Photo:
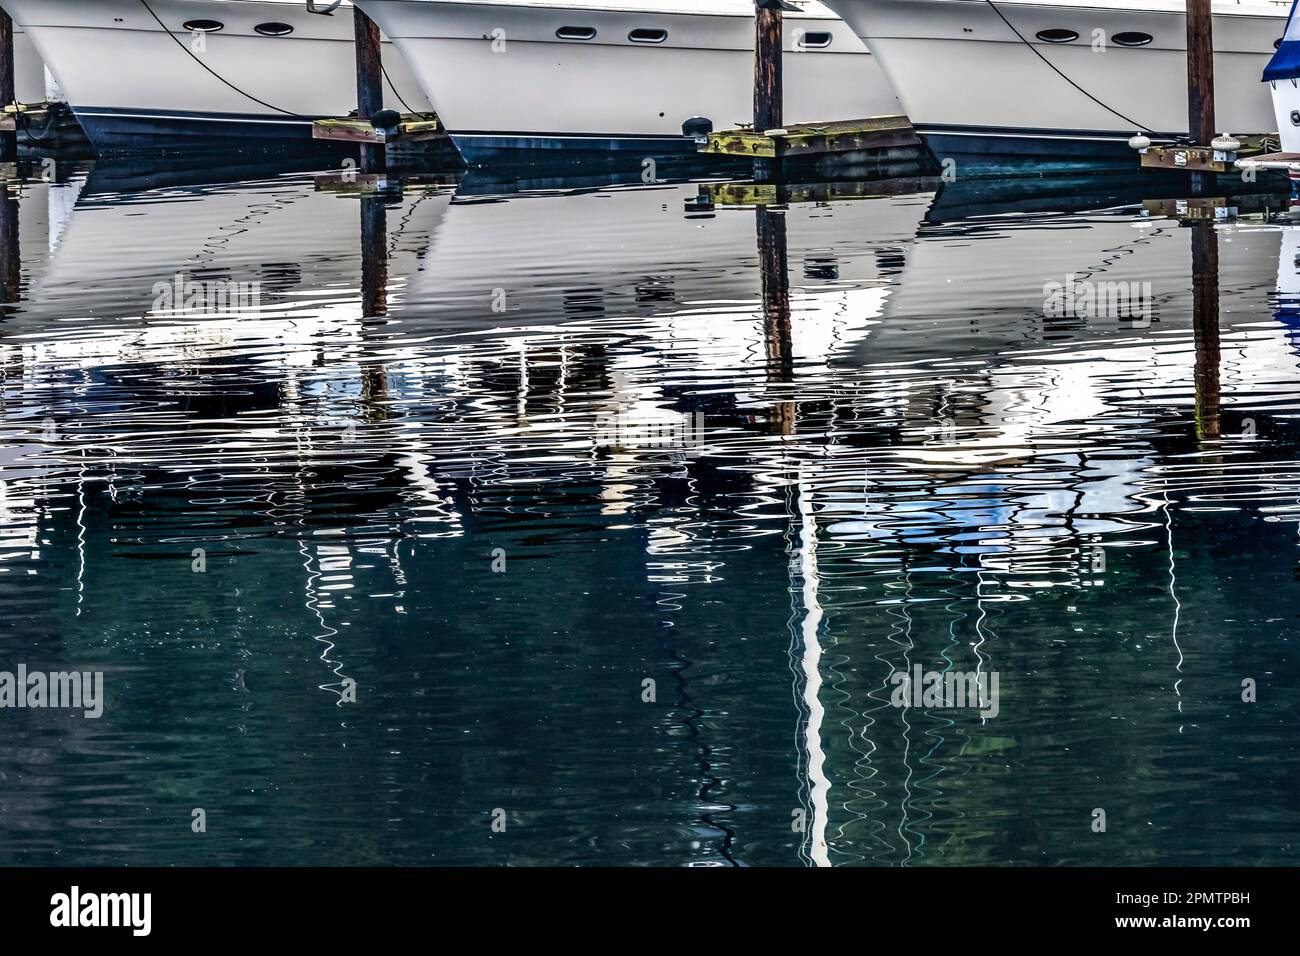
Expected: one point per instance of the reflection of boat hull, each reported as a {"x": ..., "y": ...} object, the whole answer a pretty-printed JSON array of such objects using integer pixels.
[
  {"x": 508, "y": 85},
  {"x": 135, "y": 85}
]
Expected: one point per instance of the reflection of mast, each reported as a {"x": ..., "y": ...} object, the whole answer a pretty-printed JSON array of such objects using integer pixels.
[
  {"x": 810, "y": 657},
  {"x": 1205, "y": 309},
  {"x": 773, "y": 260}
]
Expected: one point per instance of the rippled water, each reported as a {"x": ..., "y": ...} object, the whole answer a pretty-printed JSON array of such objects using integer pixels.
[{"x": 571, "y": 443}]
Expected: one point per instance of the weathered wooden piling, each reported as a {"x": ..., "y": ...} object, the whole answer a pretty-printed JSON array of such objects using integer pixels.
[
  {"x": 1200, "y": 82},
  {"x": 8, "y": 140},
  {"x": 769, "y": 87},
  {"x": 370, "y": 85}
]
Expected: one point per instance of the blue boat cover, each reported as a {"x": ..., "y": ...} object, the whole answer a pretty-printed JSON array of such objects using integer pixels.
[{"x": 1285, "y": 64}]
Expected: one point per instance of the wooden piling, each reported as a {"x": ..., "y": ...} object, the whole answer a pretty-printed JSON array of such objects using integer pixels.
[
  {"x": 8, "y": 140},
  {"x": 370, "y": 85},
  {"x": 1200, "y": 82},
  {"x": 769, "y": 92}
]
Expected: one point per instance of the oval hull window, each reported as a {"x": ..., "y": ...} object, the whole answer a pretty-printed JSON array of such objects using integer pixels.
[
  {"x": 576, "y": 33},
  {"x": 1132, "y": 38},
  {"x": 648, "y": 36},
  {"x": 273, "y": 29},
  {"x": 1057, "y": 36},
  {"x": 814, "y": 41},
  {"x": 203, "y": 26}
]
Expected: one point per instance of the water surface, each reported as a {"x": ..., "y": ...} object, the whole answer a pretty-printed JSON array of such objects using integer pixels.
[{"x": 506, "y": 466}]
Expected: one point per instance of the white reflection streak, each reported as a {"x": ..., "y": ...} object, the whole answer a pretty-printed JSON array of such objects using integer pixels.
[
  {"x": 818, "y": 784},
  {"x": 81, "y": 537},
  {"x": 1173, "y": 593}
]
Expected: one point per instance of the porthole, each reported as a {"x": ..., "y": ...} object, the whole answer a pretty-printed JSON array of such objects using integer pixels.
[
  {"x": 1132, "y": 38},
  {"x": 648, "y": 36},
  {"x": 815, "y": 41},
  {"x": 1057, "y": 36},
  {"x": 203, "y": 26},
  {"x": 1277, "y": 44},
  {"x": 273, "y": 29},
  {"x": 576, "y": 33}
]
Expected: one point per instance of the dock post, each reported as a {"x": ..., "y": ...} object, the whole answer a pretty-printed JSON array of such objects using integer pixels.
[
  {"x": 8, "y": 141},
  {"x": 1200, "y": 83},
  {"x": 370, "y": 86},
  {"x": 1205, "y": 323},
  {"x": 769, "y": 93}
]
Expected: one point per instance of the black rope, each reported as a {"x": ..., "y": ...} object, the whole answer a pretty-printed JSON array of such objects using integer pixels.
[
  {"x": 190, "y": 54},
  {"x": 24, "y": 123},
  {"x": 393, "y": 87},
  {"x": 993, "y": 7}
]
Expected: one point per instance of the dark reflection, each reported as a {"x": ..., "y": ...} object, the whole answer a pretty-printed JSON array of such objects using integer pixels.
[
  {"x": 494, "y": 517},
  {"x": 11, "y": 266},
  {"x": 1205, "y": 310},
  {"x": 774, "y": 266}
]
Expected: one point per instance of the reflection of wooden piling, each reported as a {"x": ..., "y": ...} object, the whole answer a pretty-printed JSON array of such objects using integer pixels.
[
  {"x": 374, "y": 257},
  {"x": 1205, "y": 320},
  {"x": 370, "y": 85},
  {"x": 8, "y": 141},
  {"x": 769, "y": 95},
  {"x": 773, "y": 258},
  {"x": 1200, "y": 81},
  {"x": 10, "y": 261},
  {"x": 374, "y": 284}
]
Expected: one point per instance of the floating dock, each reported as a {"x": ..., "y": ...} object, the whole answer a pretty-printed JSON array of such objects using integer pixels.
[
  {"x": 877, "y": 146},
  {"x": 805, "y": 140},
  {"x": 411, "y": 128}
]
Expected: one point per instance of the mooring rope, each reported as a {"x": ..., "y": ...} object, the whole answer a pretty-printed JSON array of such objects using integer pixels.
[
  {"x": 190, "y": 54},
  {"x": 1034, "y": 49}
]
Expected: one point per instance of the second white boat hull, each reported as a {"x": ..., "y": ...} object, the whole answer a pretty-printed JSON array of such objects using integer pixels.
[{"x": 509, "y": 86}]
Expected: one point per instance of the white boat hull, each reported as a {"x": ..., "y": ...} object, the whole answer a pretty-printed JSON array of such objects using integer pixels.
[
  {"x": 29, "y": 70},
  {"x": 977, "y": 85},
  {"x": 134, "y": 85},
  {"x": 508, "y": 87}
]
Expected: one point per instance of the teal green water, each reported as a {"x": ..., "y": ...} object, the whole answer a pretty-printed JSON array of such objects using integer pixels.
[{"x": 561, "y": 526}]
